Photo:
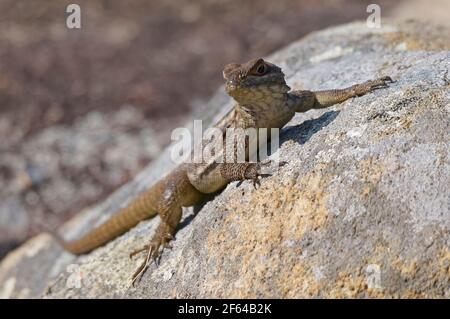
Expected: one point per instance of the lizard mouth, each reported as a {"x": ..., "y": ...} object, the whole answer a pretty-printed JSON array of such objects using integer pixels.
[{"x": 231, "y": 86}]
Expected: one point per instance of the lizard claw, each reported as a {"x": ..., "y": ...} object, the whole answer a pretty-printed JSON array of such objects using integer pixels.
[
  {"x": 254, "y": 172},
  {"x": 155, "y": 248},
  {"x": 380, "y": 83},
  {"x": 157, "y": 259},
  {"x": 270, "y": 162},
  {"x": 282, "y": 163},
  {"x": 152, "y": 255},
  {"x": 143, "y": 266},
  {"x": 387, "y": 79},
  {"x": 256, "y": 182},
  {"x": 264, "y": 164},
  {"x": 372, "y": 85},
  {"x": 137, "y": 251}
]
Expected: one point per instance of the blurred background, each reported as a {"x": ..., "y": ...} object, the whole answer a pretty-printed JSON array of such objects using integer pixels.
[{"x": 83, "y": 110}]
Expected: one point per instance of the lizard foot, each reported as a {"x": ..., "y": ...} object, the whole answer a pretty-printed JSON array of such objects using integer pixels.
[
  {"x": 254, "y": 172},
  {"x": 154, "y": 250},
  {"x": 371, "y": 85}
]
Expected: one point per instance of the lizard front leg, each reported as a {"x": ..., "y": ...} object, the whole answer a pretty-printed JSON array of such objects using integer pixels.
[
  {"x": 243, "y": 171},
  {"x": 302, "y": 101}
]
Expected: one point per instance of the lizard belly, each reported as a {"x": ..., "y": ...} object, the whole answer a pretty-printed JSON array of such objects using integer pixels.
[{"x": 206, "y": 177}]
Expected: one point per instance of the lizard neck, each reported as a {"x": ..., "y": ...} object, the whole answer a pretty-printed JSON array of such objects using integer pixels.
[{"x": 272, "y": 111}]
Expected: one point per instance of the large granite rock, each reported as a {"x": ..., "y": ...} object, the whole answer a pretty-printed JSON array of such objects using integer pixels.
[{"x": 361, "y": 210}]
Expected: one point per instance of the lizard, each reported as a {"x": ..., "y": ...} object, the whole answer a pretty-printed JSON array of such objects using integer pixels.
[{"x": 262, "y": 100}]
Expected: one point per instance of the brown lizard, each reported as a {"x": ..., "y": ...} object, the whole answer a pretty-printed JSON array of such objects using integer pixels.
[{"x": 263, "y": 101}]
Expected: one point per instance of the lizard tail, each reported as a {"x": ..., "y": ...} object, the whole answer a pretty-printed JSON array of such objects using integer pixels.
[{"x": 143, "y": 207}]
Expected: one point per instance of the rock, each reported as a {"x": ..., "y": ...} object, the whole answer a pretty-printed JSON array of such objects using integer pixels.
[
  {"x": 431, "y": 11},
  {"x": 55, "y": 172},
  {"x": 361, "y": 210}
]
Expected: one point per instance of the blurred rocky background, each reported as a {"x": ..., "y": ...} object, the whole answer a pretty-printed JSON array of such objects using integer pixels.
[{"x": 82, "y": 111}]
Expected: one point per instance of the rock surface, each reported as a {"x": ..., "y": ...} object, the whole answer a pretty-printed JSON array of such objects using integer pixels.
[
  {"x": 57, "y": 171},
  {"x": 361, "y": 210}
]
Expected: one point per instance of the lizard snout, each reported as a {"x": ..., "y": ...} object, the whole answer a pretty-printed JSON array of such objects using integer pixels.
[{"x": 231, "y": 85}]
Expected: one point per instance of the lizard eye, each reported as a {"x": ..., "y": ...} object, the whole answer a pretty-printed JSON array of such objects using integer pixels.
[{"x": 261, "y": 69}]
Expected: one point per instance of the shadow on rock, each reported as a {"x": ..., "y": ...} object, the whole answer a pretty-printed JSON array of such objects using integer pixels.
[{"x": 303, "y": 132}]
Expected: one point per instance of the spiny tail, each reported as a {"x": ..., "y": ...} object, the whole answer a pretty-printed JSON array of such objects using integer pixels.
[{"x": 143, "y": 207}]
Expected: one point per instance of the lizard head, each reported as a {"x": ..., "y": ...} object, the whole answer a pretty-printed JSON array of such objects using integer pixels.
[{"x": 254, "y": 81}]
